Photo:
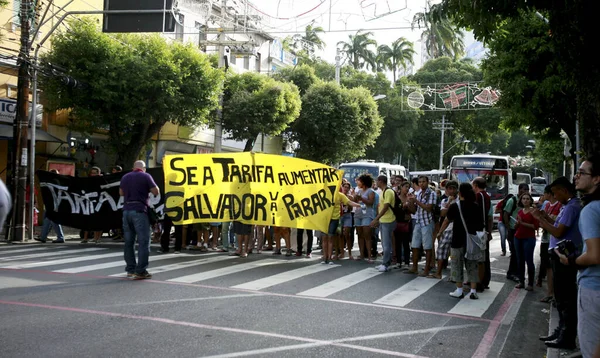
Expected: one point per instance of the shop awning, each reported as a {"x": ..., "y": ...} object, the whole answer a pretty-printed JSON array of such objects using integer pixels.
[{"x": 6, "y": 132}]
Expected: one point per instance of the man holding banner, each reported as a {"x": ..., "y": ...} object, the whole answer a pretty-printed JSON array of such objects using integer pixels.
[{"x": 135, "y": 187}]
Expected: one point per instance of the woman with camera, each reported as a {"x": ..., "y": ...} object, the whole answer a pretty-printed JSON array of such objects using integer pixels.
[{"x": 526, "y": 226}]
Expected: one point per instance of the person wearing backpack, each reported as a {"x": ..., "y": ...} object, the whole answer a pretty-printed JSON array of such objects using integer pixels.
[{"x": 510, "y": 220}]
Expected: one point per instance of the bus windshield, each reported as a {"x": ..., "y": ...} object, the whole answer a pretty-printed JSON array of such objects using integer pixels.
[
  {"x": 497, "y": 180},
  {"x": 351, "y": 172}
]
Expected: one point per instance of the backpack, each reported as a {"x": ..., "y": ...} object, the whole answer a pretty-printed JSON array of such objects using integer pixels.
[
  {"x": 397, "y": 208},
  {"x": 503, "y": 204}
]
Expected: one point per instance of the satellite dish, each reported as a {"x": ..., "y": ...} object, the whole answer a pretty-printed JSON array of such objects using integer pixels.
[{"x": 415, "y": 100}]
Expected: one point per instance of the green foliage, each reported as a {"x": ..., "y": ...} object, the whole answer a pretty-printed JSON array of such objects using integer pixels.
[
  {"x": 399, "y": 55},
  {"x": 549, "y": 154},
  {"x": 336, "y": 124},
  {"x": 442, "y": 36},
  {"x": 254, "y": 104},
  {"x": 359, "y": 50},
  {"x": 133, "y": 85},
  {"x": 302, "y": 76}
]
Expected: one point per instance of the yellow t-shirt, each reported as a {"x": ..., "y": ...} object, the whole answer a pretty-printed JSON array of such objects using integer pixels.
[
  {"x": 388, "y": 198},
  {"x": 340, "y": 198}
]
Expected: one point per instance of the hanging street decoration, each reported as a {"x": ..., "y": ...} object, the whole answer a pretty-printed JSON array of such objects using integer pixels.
[{"x": 444, "y": 96}]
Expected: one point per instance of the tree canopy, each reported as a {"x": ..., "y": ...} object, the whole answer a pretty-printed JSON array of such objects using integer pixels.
[
  {"x": 133, "y": 85},
  {"x": 255, "y": 104}
]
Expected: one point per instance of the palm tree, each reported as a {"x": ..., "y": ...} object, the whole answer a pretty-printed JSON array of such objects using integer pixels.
[
  {"x": 442, "y": 37},
  {"x": 358, "y": 51},
  {"x": 400, "y": 54},
  {"x": 310, "y": 40}
]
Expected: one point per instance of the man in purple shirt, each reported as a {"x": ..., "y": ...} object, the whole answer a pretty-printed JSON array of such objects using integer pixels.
[
  {"x": 135, "y": 187},
  {"x": 565, "y": 227}
]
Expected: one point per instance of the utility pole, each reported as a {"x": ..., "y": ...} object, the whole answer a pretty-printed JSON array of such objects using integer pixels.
[
  {"x": 219, "y": 123},
  {"x": 21, "y": 131},
  {"x": 338, "y": 58},
  {"x": 442, "y": 126}
]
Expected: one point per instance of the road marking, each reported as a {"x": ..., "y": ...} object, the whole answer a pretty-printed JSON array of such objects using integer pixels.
[
  {"x": 13, "y": 282},
  {"x": 342, "y": 283},
  {"x": 283, "y": 277},
  {"x": 207, "y": 275},
  {"x": 180, "y": 265},
  {"x": 476, "y": 308},
  {"x": 46, "y": 254},
  {"x": 47, "y": 248},
  {"x": 408, "y": 292},
  {"x": 64, "y": 261},
  {"x": 241, "y": 295},
  {"x": 110, "y": 264}
]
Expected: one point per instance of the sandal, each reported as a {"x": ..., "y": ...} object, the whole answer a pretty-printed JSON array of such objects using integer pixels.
[
  {"x": 244, "y": 255},
  {"x": 411, "y": 272},
  {"x": 234, "y": 254}
]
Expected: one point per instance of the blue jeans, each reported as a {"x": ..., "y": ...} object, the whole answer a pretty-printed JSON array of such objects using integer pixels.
[
  {"x": 525, "y": 248},
  {"x": 46, "y": 229},
  {"x": 387, "y": 235},
  {"x": 502, "y": 230},
  {"x": 136, "y": 223}
]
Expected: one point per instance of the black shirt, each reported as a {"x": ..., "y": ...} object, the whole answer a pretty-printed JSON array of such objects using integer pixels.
[{"x": 472, "y": 215}]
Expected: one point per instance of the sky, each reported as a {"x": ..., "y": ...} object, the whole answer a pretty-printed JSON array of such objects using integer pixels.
[{"x": 346, "y": 17}]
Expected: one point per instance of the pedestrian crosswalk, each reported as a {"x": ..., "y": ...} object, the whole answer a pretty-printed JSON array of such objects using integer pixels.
[{"x": 346, "y": 280}]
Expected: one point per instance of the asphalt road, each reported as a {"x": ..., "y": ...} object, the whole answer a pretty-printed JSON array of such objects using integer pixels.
[{"x": 71, "y": 300}]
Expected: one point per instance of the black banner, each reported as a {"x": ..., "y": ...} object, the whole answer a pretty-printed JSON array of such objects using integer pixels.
[{"x": 91, "y": 203}]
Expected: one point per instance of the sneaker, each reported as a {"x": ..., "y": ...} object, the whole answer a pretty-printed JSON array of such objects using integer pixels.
[
  {"x": 83, "y": 242},
  {"x": 40, "y": 240},
  {"x": 288, "y": 253},
  {"x": 308, "y": 256},
  {"x": 382, "y": 268},
  {"x": 58, "y": 241},
  {"x": 277, "y": 252},
  {"x": 379, "y": 267},
  {"x": 298, "y": 253},
  {"x": 324, "y": 262},
  {"x": 142, "y": 276},
  {"x": 330, "y": 263},
  {"x": 130, "y": 275},
  {"x": 160, "y": 251},
  {"x": 176, "y": 252},
  {"x": 473, "y": 296},
  {"x": 457, "y": 295}
]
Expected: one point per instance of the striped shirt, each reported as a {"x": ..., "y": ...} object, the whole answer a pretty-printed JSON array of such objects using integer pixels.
[{"x": 427, "y": 197}]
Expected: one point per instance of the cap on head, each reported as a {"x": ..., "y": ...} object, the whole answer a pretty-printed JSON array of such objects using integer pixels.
[{"x": 139, "y": 164}]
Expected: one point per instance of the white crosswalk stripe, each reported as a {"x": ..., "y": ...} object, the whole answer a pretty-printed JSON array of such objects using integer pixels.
[
  {"x": 341, "y": 283},
  {"x": 409, "y": 292},
  {"x": 111, "y": 264},
  {"x": 63, "y": 261},
  {"x": 476, "y": 308},
  {"x": 7, "y": 252},
  {"x": 283, "y": 277},
  {"x": 181, "y": 265},
  {"x": 47, "y": 254},
  {"x": 207, "y": 275}
]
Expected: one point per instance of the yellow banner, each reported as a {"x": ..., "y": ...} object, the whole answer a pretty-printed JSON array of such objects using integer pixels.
[{"x": 253, "y": 188}]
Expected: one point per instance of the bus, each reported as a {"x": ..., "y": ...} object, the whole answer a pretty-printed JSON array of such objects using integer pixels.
[
  {"x": 434, "y": 175},
  {"x": 495, "y": 169},
  {"x": 355, "y": 169}
]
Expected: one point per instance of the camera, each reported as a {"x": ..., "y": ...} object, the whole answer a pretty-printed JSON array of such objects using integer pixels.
[{"x": 567, "y": 248}]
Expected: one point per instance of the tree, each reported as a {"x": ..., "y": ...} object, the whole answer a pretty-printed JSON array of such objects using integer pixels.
[
  {"x": 572, "y": 28},
  {"x": 399, "y": 55},
  {"x": 442, "y": 37},
  {"x": 133, "y": 85},
  {"x": 302, "y": 76},
  {"x": 255, "y": 103},
  {"x": 358, "y": 50},
  {"x": 336, "y": 124}
]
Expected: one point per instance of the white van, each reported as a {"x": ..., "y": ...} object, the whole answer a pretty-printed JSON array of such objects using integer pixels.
[
  {"x": 524, "y": 178},
  {"x": 355, "y": 169}
]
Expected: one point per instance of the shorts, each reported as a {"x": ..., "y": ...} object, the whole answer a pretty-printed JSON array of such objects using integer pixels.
[
  {"x": 458, "y": 262},
  {"x": 422, "y": 236},
  {"x": 362, "y": 221},
  {"x": 333, "y": 226},
  {"x": 240, "y": 228},
  {"x": 347, "y": 220},
  {"x": 443, "y": 250}
]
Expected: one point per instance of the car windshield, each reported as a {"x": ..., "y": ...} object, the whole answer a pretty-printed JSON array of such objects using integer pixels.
[
  {"x": 537, "y": 189},
  {"x": 351, "y": 172},
  {"x": 496, "y": 180}
]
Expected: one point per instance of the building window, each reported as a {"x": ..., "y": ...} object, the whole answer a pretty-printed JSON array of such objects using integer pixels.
[
  {"x": 179, "y": 28},
  {"x": 201, "y": 35},
  {"x": 232, "y": 59},
  {"x": 257, "y": 63},
  {"x": 247, "y": 62}
]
